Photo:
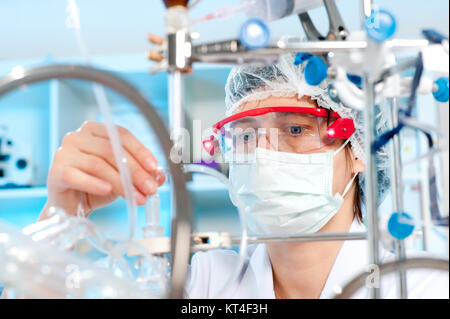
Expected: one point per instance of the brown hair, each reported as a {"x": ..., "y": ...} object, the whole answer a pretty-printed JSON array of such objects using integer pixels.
[
  {"x": 349, "y": 156},
  {"x": 357, "y": 198}
]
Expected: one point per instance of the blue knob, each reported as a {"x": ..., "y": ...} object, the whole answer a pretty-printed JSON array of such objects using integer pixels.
[
  {"x": 355, "y": 79},
  {"x": 442, "y": 91},
  {"x": 315, "y": 71},
  {"x": 255, "y": 34},
  {"x": 21, "y": 163},
  {"x": 380, "y": 25},
  {"x": 302, "y": 57},
  {"x": 433, "y": 36},
  {"x": 400, "y": 225}
]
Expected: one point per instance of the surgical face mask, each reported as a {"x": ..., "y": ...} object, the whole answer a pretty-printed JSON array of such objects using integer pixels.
[{"x": 287, "y": 193}]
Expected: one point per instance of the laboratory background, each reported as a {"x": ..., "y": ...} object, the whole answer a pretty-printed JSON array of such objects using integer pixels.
[{"x": 35, "y": 118}]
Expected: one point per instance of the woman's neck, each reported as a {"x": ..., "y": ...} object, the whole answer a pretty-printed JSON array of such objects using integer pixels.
[{"x": 300, "y": 270}]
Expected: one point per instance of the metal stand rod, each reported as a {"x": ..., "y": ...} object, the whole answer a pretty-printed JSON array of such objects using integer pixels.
[
  {"x": 443, "y": 116},
  {"x": 425, "y": 211},
  {"x": 234, "y": 54},
  {"x": 371, "y": 184},
  {"x": 397, "y": 194},
  {"x": 366, "y": 11},
  {"x": 176, "y": 121},
  {"x": 302, "y": 238},
  {"x": 176, "y": 117}
]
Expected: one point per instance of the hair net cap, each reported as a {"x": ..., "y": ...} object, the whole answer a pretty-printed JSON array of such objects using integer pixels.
[{"x": 285, "y": 79}]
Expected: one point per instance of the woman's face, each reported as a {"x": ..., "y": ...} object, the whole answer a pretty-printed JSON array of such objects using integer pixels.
[{"x": 297, "y": 133}]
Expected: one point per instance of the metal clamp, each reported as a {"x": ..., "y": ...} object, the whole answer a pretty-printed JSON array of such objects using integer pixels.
[
  {"x": 337, "y": 30},
  {"x": 199, "y": 241},
  {"x": 211, "y": 240}
]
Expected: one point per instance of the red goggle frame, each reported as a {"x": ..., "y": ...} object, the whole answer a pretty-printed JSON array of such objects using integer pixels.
[{"x": 341, "y": 128}]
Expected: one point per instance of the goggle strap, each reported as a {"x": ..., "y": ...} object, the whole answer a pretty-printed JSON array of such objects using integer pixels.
[{"x": 342, "y": 147}]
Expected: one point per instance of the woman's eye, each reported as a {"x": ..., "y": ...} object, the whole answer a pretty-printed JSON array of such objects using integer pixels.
[
  {"x": 245, "y": 138},
  {"x": 295, "y": 130}
]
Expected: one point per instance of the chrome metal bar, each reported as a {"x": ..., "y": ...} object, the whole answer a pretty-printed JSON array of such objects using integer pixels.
[
  {"x": 405, "y": 44},
  {"x": 397, "y": 68},
  {"x": 371, "y": 184},
  {"x": 397, "y": 184},
  {"x": 413, "y": 263},
  {"x": 430, "y": 129},
  {"x": 366, "y": 11},
  {"x": 302, "y": 238},
  {"x": 181, "y": 224},
  {"x": 209, "y": 53},
  {"x": 176, "y": 116},
  {"x": 400, "y": 255},
  {"x": 176, "y": 120},
  {"x": 397, "y": 194},
  {"x": 336, "y": 46},
  {"x": 425, "y": 212},
  {"x": 443, "y": 116},
  {"x": 178, "y": 59},
  {"x": 293, "y": 45}
]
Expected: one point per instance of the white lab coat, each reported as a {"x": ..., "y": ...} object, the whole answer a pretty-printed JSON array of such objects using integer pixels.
[{"x": 209, "y": 272}]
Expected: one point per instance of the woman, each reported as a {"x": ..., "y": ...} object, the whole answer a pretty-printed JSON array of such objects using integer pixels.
[{"x": 293, "y": 167}]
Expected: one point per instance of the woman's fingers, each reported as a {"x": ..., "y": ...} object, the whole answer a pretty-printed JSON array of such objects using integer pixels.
[
  {"x": 160, "y": 177},
  {"x": 130, "y": 143},
  {"x": 74, "y": 178},
  {"x": 153, "y": 38},
  {"x": 97, "y": 167},
  {"x": 94, "y": 156},
  {"x": 101, "y": 148},
  {"x": 85, "y": 163}
]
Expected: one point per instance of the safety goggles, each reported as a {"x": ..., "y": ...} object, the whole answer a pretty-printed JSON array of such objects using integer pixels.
[{"x": 282, "y": 128}]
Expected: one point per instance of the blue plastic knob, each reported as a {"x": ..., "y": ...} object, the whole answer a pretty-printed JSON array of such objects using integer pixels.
[
  {"x": 255, "y": 34},
  {"x": 400, "y": 225},
  {"x": 315, "y": 71},
  {"x": 302, "y": 57},
  {"x": 442, "y": 91},
  {"x": 355, "y": 79},
  {"x": 433, "y": 36},
  {"x": 380, "y": 25},
  {"x": 21, "y": 164}
]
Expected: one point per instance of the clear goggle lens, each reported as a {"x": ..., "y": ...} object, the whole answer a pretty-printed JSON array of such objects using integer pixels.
[{"x": 279, "y": 131}]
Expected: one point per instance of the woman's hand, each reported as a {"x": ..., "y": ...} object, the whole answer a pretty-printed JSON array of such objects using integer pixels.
[{"x": 84, "y": 170}]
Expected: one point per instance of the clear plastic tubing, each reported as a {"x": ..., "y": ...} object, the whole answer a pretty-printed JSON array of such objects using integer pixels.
[
  {"x": 195, "y": 168},
  {"x": 152, "y": 209},
  {"x": 266, "y": 10},
  {"x": 152, "y": 214},
  {"x": 73, "y": 21}
]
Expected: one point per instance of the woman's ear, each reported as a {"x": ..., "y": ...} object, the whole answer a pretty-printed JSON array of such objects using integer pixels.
[{"x": 358, "y": 166}]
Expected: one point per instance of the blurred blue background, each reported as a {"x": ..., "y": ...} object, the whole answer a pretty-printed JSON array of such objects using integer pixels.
[
  {"x": 37, "y": 117},
  {"x": 33, "y": 29}
]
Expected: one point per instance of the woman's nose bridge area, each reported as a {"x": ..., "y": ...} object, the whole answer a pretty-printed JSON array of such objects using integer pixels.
[{"x": 267, "y": 138}]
